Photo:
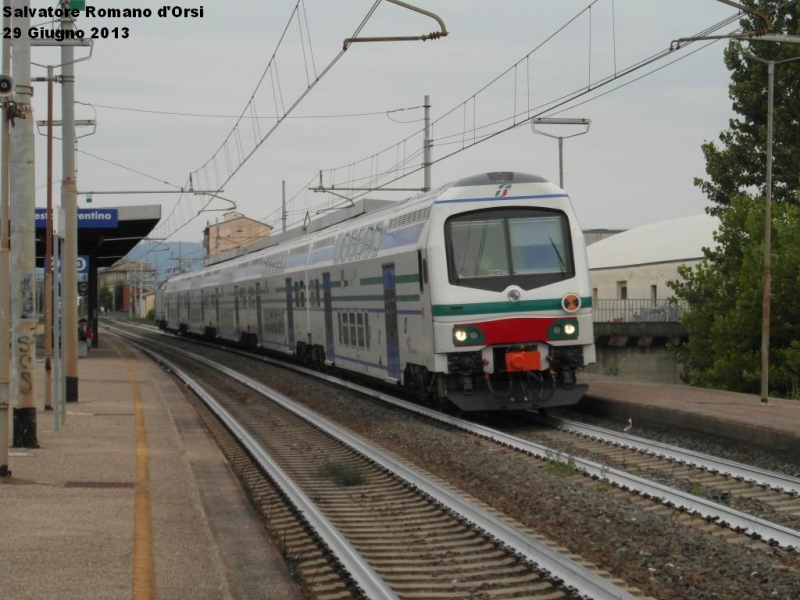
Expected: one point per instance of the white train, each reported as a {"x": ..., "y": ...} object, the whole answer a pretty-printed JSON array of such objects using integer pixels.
[{"x": 476, "y": 293}]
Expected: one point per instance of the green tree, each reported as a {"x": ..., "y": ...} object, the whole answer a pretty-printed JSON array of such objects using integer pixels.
[
  {"x": 105, "y": 297},
  {"x": 725, "y": 290},
  {"x": 739, "y": 163}
]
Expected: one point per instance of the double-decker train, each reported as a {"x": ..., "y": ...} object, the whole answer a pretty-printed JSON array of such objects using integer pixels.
[{"x": 475, "y": 294}]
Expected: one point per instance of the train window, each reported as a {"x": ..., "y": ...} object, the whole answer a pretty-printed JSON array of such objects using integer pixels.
[
  {"x": 351, "y": 247},
  {"x": 345, "y": 330},
  {"x": 316, "y": 290},
  {"x": 492, "y": 249},
  {"x": 360, "y": 324},
  {"x": 353, "y": 328},
  {"x": 302, "y": 294},
  {"x": 360, "y": 242},
  {"x": 366, "y": 328},
  {"x": 376, "y": 240},
  {"x": 368, "y": 241}
]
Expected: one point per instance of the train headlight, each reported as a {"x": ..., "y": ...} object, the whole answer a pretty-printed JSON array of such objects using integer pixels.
[
  {"x": 563, "y": 329},
  {"x": 468, "y": 335}
]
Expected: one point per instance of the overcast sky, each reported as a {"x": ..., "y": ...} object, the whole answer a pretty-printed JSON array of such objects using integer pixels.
[{"x": 635, "y": 166}]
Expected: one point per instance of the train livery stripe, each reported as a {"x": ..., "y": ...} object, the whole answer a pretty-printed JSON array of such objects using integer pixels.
[
  {"x": 482, "y": 308},
  {"x": 501, "y": 198},
  {"x": 411, "y": 278},
  {"x": 400, "y": 298}
]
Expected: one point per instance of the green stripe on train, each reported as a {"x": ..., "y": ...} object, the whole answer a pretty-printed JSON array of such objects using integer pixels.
[
  {"x": 399, "y": 297},
  {"x": 412, "y": 278},
  {"x": 481, "y": 308}
]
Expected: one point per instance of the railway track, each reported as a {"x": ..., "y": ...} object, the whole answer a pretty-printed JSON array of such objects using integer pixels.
[
  {"x": 777, "y": 561},
  {"x": 707, "y": 475},
  {"x": 393, "y": 528}
]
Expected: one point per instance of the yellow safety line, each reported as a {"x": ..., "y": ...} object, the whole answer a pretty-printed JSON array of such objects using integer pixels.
[{"x": 144, "y": 578}]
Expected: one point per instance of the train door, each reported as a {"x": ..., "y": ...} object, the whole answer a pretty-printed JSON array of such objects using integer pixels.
[
  {"x": 328, "y": 305},
  {"x": 203, "y": 308},
  {"x": 392, "y": 338},
  {"x": 289, "y": 315},
  {"x": 259, "y": 320},
  {"x": 236, "y": 310}
]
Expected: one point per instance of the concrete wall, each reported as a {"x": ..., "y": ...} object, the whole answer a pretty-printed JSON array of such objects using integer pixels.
[{"x": 654, "y": 364}]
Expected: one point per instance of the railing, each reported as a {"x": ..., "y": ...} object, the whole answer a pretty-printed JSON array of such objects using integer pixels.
[{"x": 638, "y": 311}]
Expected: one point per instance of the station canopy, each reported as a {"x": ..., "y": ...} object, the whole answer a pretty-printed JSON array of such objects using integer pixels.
[{"x": 107, "y": 234}]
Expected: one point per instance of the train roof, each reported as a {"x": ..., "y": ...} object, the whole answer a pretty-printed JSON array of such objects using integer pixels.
[{"x": 361, "y": 210}]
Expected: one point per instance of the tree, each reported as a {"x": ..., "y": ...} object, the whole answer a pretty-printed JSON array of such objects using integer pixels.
[
  {"x": 105, "y": 297},
  {"x": 725, "y": 290},
  {"x": 739, "y": 164}
]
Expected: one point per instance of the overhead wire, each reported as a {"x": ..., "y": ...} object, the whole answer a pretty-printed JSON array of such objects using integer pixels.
[
  {"x": 232, "y": 171},
  {"x": 218, "y": 116},
  {"x": 562, "y": 102}
]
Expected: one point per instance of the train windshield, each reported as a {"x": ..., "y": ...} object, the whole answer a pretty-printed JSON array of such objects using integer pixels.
[{"x": 492, "y": 249}]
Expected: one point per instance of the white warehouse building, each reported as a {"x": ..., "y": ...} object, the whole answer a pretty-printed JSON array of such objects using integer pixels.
[{"x": 636, "y": 265}]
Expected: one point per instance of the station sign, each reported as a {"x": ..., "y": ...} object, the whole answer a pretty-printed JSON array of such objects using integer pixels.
[
  {"x": 83, "y": 264},
  {"x": 88, "y": 218}
]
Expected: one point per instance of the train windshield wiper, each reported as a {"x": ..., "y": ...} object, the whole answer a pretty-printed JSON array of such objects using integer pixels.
[{"x": 560, "y": 260}]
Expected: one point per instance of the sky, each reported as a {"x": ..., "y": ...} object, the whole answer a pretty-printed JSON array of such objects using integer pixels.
[{"x": 635, "y": 165}]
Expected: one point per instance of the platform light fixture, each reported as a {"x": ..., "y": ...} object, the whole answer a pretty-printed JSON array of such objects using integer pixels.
[{"x": 560, "y": 121}]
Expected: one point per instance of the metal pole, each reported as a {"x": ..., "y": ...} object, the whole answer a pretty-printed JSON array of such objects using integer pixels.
[
  {"x": 69, "y": 200},
  {"x": 283, "y": 204},
  {"x": 427, "y": 145},
  {"x": 141, "y": 297},
  {"x": 5, "y": 273},
  {"x": 561, "y": 162},
  {"x": 48, "y": 253},
  {"x": 23, "y": 250},
  {"x": 58, "y": 399},
  {"x": 765, "y": 301}
]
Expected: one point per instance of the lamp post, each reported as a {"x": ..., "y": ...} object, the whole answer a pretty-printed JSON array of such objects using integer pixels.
[
  {"x": 767, "y": 279},
  {"x": 557, "y": 121}
]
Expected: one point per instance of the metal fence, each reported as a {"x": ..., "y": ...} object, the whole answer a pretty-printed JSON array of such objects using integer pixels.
[{"x": 638, "y": 311}]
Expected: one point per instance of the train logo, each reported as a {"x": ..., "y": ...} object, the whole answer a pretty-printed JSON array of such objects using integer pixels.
[{"x": 502, "y": 191}]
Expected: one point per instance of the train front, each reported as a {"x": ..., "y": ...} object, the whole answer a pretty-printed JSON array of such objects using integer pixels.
[{"x": 511, "y": 298}]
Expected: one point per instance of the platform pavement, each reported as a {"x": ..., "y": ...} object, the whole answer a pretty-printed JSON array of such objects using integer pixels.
[
  {"x": 115, "y": 506},
  {"x": 728, "y": 414}
]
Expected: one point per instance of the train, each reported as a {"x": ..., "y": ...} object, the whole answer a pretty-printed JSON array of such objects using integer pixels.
[{"x": 475, "y": 295}]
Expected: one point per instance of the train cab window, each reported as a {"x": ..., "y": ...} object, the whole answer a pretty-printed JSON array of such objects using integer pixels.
[
  {"x": 492, "y": 249},
  {"x": 360, "y": 243}
]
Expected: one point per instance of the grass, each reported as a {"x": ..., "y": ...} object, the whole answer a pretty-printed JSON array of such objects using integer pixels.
[{"x": 563, "y": 468}]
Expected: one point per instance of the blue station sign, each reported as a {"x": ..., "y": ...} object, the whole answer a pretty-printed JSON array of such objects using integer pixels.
[{"x": 88, "y": 218}]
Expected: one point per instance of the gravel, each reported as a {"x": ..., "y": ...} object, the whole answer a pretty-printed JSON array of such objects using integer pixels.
[{"x": 662, "y": 557}]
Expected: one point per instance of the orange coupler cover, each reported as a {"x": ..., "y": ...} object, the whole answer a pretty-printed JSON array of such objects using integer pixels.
[{"x": 523, "y": 361}]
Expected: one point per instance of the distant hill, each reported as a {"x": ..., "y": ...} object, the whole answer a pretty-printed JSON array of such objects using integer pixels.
[{"x": 169, "y": 258}]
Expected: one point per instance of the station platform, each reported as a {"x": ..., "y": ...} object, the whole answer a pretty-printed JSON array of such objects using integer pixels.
[
  {"x": 726, "y": 414},
  {"x": 130, "y": 499}
]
